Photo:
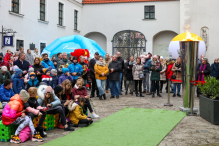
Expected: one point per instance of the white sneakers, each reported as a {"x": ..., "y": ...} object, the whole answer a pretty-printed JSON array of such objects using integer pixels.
[{"x": 95, "y": 116}]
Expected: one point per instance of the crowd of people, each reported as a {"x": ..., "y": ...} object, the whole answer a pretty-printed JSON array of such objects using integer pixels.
[{"x": 33, "y": 85}]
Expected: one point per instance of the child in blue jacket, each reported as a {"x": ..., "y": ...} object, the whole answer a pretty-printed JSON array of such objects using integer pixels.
[
  {"x": 33, "y": 82},
  {"x": 18, "y": 81},
  {"x": 55, "y": 78},
  {"x": 75, "y": 70},
  {"x": 65, "y": 76}
]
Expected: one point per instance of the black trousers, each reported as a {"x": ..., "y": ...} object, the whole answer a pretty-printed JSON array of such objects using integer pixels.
[
  {"x": 42, "y": 118},
  {"x": 161, "y": 85},
  {"x": 87, "y": 105},
  {"x": 57, "y": 110},
  {"x": 155, "y": 86},
  {"x": 94, "y": 87},
  {"x": 138, "y": 85}
]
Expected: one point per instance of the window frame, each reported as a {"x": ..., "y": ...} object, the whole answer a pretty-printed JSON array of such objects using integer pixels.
[
  {"x": 44, "y": 12},
  {"x": 149, "y": 11},
  {"x": 18, "y": 5},
  {"x": 75, "y": 19},
  {"x": 62, "y": 11}
]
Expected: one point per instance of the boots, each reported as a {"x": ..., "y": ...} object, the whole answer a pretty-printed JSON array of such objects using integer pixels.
[
  {"x": 141, "y": 94},
  {"x": 100, "y": 97},
  {"x": 153, "y": 95},
  {"x": 104, "y": 96},
  {"x": 136, "y": 93},
  {"x": 126, "y": 93}
]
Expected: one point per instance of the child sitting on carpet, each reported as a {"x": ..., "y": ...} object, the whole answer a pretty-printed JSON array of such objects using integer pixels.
[
  {"x": 33, "y": 82},
  {"x": 76, "y": 114}
]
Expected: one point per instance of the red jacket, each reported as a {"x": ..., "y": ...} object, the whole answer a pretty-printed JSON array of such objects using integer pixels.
[
  {"x": 5, "y": 63},
  {"x": 7, "y": 57},
  {"x": 81, "y": 91},
  {"x": 169, "y": 71}
]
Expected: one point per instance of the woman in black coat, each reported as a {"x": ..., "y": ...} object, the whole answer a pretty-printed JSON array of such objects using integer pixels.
[
  {"x": 203, "y": 70},
  {"x": 128, "y": 67},
  {"x": 38, "y": 68}
]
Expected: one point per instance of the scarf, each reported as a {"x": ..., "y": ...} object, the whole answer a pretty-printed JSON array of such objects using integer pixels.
[
  {"x": 101, "y": 63},
  {"x": 132, "y": 63},
  {"x": 201, "y": 75}
]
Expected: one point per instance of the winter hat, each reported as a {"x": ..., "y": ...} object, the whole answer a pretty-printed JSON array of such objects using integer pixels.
[
  {"x": 24, "y": 95},
  {"x": 55, "y": 61},
  {"x": 42, "y": 83},
  {"x": 58, "y": 89},
  {"x": 1, "y": 54},
  {"x": 49, "y": 89},
  {"x": 75, "y": 58},
  {"x": 14, "y": 68},
  {"x": 155, "y": 56},
  {"x": 18, "y": 71},
  {"x": 45, "y": 70},
  {"x": 161, "y": 57},
  {"x": 31, "y": 70},
  {"x": 32, "y": 74},
  {"x": 53, "y": 71},
  {"x": 65, "y": 70},
  {"x": 50, "y": 68}
]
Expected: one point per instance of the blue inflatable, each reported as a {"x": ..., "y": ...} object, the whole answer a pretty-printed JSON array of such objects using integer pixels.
[{"x": 70, "y": 43}]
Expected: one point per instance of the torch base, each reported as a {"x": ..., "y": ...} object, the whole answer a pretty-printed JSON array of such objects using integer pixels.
[
  {"x": 188, "y": 110},
  {"x": 168, "y": 104}
]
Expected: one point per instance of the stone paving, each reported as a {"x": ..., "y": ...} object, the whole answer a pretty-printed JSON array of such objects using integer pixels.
[{"x": 191, "y": 131}]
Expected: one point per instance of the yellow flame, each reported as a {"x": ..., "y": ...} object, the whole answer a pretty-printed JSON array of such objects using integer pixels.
[{"x": 189, "y": 36}]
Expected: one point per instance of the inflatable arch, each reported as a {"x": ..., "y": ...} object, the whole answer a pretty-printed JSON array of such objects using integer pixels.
[{"x": 70, "y": 43}]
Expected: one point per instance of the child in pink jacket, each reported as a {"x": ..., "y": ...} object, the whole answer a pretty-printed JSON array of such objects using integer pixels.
[
  {"x": 27, "y": 76},
  {"x": 144, "y": 57}
]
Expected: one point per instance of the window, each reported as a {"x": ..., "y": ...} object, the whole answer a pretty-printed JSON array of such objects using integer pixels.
[
  {"x": 19, "y": 43},
  {"x": 60, "y": 14},
  {"x": 15, "y": 6},
  {"x": 42, "y": 10},
  {"x": 42, "y": 46},
  {"x": 149, "y": 12},
  {"x": 76, "y": 20}
]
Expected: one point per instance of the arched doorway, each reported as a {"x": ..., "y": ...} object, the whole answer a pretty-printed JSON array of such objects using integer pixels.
[
  {"x": 99, "y": 38},
  {"x": 129, "y": 42},
  {"x": 161, "y": 43}
]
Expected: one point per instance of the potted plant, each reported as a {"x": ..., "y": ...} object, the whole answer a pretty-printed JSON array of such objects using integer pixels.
[{"x": 209, "y": 100}]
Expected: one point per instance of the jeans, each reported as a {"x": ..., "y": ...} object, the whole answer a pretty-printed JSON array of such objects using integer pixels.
[
  {"x": 138, "y": 84},
  {"x": 127, "y": 85},
  {"x": 115, "y": 87},
  {"x": 107, "y": 83},
  {"x": 146, "y": 82},
  {"x": 100, "y": 86},
  {"x": 176, "y": 85},
  {"x": 120, "y": 82}
]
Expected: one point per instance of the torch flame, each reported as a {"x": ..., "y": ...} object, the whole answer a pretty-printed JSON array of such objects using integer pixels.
[{"x": 189, "y": 36}]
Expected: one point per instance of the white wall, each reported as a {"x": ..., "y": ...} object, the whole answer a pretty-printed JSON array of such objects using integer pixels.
[
  {"x": 99, "y": 38},
  {"x": 109, "y": 19},
  {"x": 32, "y": 31}
]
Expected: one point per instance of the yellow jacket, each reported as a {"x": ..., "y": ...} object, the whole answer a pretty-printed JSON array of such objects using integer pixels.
[
  {"x": 99, "y": 70},
  {"x": 76, "y": 115}
]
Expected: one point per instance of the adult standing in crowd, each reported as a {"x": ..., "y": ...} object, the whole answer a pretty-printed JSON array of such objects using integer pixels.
[
  {"x": 136, "y": 71},
  {"x": 6, "y": 92},
  {"x": 107, "y": 60},
  {"x": 121, "y": 61},
  {"x": 22, "y": 63},
  {"x": 162, "y": 73},
  {"x": 75, "y": 69},
  {"x": 46, "y": 62},
  {"x": 177, "y": 72},
  {"x": 114, "y": 77},
  {"x": 38, "y": 68},
  {"x": 129, "y": 76},
  {"x": 169, "y": 72},
  {"x": 92, "y": 74},
  {"x": 21, "y": 50},
  {"x": 59, "y": 55},
  {"x": 85, "y": 70},
  {"x": 203, "y": 70},
  {"x": 146, "y": 71},
  {"x": 215, "y": 69},
  {"x": 3, "y": 62},
  {"x": 63, "y": 62},
  {"x": 29, "y": 57},
  {"x": 36, "y": 53},
  {"x": 4, "y": 74},
  {"x": 101, "y": 70}
]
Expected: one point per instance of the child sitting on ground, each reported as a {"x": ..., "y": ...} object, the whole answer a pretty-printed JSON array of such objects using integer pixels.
[
  {"x": 80, "y": 91},
  {"x": 46, "y": 77},
  {"x": 55, "y": 78},
  {"x": 65, "y": 76},
  {"x": 76, "y": 113},
  {"x": 14, "y": 114},
  {"x": 18, "y": 81},
  {"x": 33, "y": 82},
  {"x": 33, "y": 109}
]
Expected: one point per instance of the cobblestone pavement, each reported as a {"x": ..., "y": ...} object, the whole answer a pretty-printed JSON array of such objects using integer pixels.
[{"x": 191, "y": 131}]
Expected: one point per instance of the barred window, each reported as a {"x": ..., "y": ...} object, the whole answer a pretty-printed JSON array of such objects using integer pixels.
[{"x": 149, "y": 12}]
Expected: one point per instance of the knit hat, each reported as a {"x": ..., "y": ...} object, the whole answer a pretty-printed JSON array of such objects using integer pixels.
[
  {"x": 18, "y": 71},
  {"x": 49, "y": 89},
  {"x": 58, "y": 89},
  {"x": 65, "y": 70},
  {"x": 53, "y": 71},
  {"x": 50, "y": 68},
  {"x": 161, "y": 57},
  {"x": 31, "y": 70},
  {"x": 45, "y": 70},
  {"x": 1, "y": 54},
  {"x": 75, "y": 58},
  {"x": 24, "y": 95},
  {"x": 32, "y": 74},
  {"x": 55, "y": 61},
  {"x": 155, "y": 56},
  {"x": 14, "y": 68}
]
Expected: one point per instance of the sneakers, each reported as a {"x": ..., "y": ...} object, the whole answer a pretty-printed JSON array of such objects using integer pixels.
[
  {"x": 15, "y": 139},
  {"x": 37, "y": 137},
  {"x": 178, "y": 95},
  {"x": 174, "y": 95},
  {"x": 95, "y": 116}
]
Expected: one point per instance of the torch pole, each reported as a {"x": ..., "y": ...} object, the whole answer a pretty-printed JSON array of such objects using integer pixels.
[{"x": 168, "y": 100}]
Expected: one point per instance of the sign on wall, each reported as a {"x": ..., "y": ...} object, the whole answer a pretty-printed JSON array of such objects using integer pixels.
[
  {"x": 8, "y": 41},
  {"x": 7, "y": 37}
]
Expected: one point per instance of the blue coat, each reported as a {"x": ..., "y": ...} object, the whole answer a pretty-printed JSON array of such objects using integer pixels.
[
  {"x": 18, "y": 84},
  {"x": 55, "y": 80},
  {"x": 147, "y": 66},
  {"x": 64, "y": 77},
  {"x": 5, "y": 94},
  {"x": 48, "y": 63},
  {"x": 75, "y": 67},
  {"x": 32, "y": 83},
  {"x": 215, "y": 70}
]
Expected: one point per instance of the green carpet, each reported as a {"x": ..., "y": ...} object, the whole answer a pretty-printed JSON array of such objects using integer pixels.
[{"x": 127, "y": 127}]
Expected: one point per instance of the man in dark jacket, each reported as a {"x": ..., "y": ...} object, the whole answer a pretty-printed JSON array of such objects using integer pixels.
[
  {"x": 92, "y": 74},
  {"x": 22, "y": 63},
  {"x": 121, "y": 61},
  {"x": 85, "y": 67},
  {"x": 64, "y": 61},
  {"x": 114, "y": 77},
  {"x": 3, "y": 62},
  {"x": 215, "y": 69}
]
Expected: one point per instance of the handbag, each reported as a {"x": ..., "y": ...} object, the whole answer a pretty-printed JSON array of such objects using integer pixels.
[
  {"x": 173, "y": 77},
  {"x": 141, "y": 76}
]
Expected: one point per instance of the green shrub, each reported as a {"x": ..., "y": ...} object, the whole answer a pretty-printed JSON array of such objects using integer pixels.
[{"x": 210, "y": 88}]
